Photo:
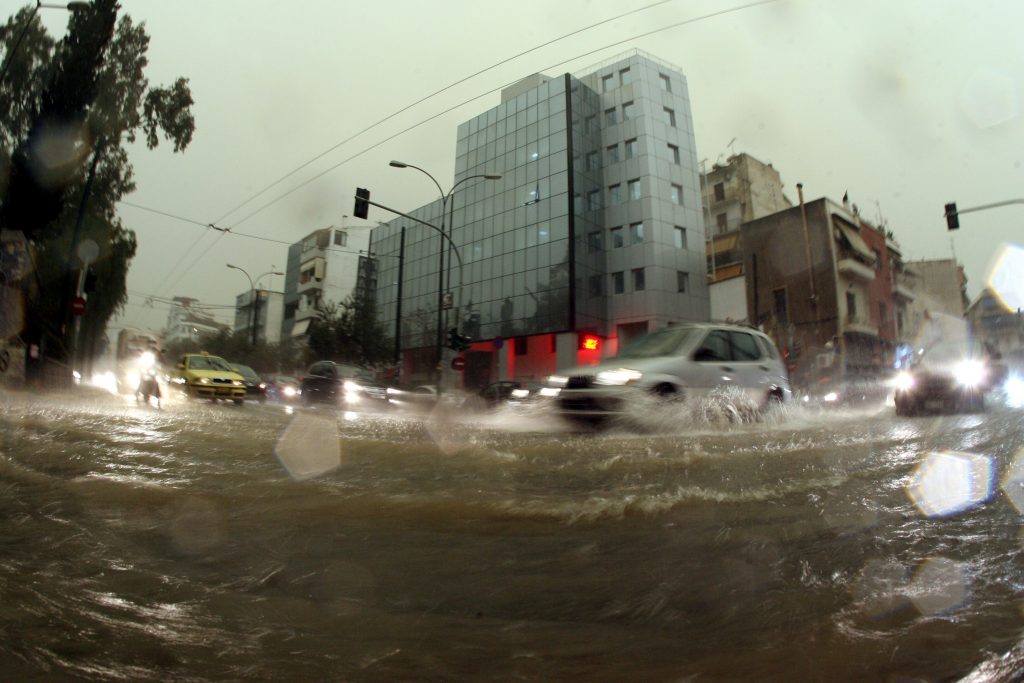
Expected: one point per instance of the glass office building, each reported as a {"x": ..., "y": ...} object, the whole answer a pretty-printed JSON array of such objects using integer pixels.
[{"x": 594, "y": 228}]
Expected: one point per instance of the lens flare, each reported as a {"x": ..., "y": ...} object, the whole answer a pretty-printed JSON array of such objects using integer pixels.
[
  {"x": 1005, "y": 281},
  {"x": 310, "y": 446},
  {"x": 1013, "y": 482},
  {"x": 947, "y": 483},
  {"x": 939, "y": 585}
]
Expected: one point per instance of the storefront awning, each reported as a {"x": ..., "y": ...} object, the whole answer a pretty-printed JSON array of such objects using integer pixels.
[
  {"x": 301, "y": 327},
  {"x": 853, "y": 237}
]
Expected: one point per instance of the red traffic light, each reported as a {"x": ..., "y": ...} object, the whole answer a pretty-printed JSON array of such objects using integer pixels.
[{"x": 590, "y": 342}]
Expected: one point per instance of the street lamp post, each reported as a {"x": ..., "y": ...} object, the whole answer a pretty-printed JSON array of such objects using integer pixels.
[
  {"x": 445, "y": 199},
  {"x": 71, "y": 7},
  {"x": 252, "y": 295}
]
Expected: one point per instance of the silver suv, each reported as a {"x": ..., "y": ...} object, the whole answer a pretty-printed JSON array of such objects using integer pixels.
[{"x": 693, "y": 361}]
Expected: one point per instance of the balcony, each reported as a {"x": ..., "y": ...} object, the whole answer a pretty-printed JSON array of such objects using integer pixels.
[
  {"x": 856, "y": 269},
  {"x": 901, "y": 291},
  {"x": 859, "y": 325}
]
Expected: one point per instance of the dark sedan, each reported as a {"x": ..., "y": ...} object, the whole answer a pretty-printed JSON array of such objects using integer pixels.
[
  {"x": 513, "y": 393},
  {"x": 255, "y": 387},
  {"x": 948, "y": 377},
  {"x": 347, "y": 386}
]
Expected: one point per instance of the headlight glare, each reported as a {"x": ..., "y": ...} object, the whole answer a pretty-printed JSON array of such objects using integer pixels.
[
  {"x": 969, "y": 373},
  {"x": 618, "y": 377},
  {"x": 904, "y": 381},
  {"x": 558, "y": 381}
]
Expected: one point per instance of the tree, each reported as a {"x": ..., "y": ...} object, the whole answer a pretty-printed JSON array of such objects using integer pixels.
[
  {"x": 350, "y": 332},
  {"x": 82, "y": 99}
]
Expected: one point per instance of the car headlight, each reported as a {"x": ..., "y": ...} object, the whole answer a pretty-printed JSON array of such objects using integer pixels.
[
  {"x": 969, "y": 373},
  {"x": 290, "y": 391},
  {"x": 558, "y": 381},
  {"x": 263, "y": 385},
  {"x": 904, "y": 381},
  {"x": 351, "y": 386},
  {"x": 830, "y": 397},
  {"x": 147, "y": 360},
  {"x": 618, "y": 377},
  {"x": 520, "y": 393},
  {"x": 550, "y": 392},
  {"x": 204, "y": 380}
]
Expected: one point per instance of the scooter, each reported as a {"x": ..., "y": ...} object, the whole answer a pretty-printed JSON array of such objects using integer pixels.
[{"x": 149, "y": 387}]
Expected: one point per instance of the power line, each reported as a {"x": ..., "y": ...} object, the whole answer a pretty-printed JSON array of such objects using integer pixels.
[
  {"x": 280, "y": 197},
  {"x": 429, "y": 97},
  {"x": 702, "y": 17}
]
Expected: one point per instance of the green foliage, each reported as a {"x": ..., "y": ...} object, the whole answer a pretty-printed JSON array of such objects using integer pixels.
[
  {"x": 350, "y": 333},
  {"x": 236, "y": 347},
  {"x": 89, "y": 88}
]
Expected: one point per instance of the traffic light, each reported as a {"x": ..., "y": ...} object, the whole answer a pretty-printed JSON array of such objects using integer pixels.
[
  {"x": 458, "y": 342},
  {"x": 362, "y": 207},
  {"x": 952, "y": 218},
  {"x": 589, "y": 342}
]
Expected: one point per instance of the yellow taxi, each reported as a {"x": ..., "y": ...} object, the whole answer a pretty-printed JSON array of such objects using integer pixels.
[{"x": 201, "y": 375}]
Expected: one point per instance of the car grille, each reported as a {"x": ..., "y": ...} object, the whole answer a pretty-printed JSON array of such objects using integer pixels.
[{"x": 580, "y": 382}]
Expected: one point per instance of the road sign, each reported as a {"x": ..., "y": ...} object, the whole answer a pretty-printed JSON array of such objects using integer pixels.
[
  {"x": 458, "y": 363},
  {"x": 78, "y": 305}
]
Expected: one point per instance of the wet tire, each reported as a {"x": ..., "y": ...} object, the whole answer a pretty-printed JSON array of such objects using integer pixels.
[{"x": 905, "y": 408}]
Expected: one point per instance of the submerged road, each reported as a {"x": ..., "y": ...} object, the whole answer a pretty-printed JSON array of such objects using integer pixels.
[{"x": 207, "y": 542}]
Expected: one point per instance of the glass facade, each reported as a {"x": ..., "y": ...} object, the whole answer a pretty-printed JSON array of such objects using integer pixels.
[{"x": 533, "y": 255}]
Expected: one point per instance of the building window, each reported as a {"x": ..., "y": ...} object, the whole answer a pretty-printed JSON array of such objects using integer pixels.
[
  {"x": 670, "y": 117},
  {"x": 680, "y": 235},
  {"x": 682, "y": 281},
  {"x": 612, "y": 153},
  {"x": 673, "y": 152},
  {"x": 851, "y": 307},
  {"x": 608, "y": 83},
  {"x": 636, "y": 233},
  {"x": 617, "y": 240},
  {"x": 595, "y": 285},
  {"x": 719, "y": 192},
  {"x": 590, "y": 124},
  {"x": 722, "y": 221},
  {"x": 677, "y": 194},
  {"x": 628, "y": 111},
  {"x": 780, "y": 307},
  {"x": 594, "y": 240},
  {"x": 625, "y": 76},
  {"x": 615, "y": 194},
  {"x": 618, "y": 282},
  {"x": 611, "y": 117},
  {"x": 639, "y": 283},
  {"x": 882, "y": 313},
  {"x": 340, "y": 238},
  {"x": 632, "y": 148},
  {"x": 634, "y": 189},
  {"x": 593, "y": 200},
  {"x": 593, "y": 163},
  {"x": 666, "y": 83}
]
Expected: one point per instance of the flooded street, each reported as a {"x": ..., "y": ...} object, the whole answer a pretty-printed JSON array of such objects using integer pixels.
[{"x": 195, "y": 543}]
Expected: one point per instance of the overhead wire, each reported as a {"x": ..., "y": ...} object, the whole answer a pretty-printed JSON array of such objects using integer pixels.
[
  {"x": 431, "y": 96},
  {"x": 324, "y": 172},
  {"x": 265, "y": 206}
]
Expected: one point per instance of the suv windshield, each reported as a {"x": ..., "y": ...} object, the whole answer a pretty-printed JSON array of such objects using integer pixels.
[{"x": 659, "y": 343}]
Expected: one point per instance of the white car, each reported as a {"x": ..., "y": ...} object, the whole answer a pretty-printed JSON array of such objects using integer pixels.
[{"x": 693, "y": 361}]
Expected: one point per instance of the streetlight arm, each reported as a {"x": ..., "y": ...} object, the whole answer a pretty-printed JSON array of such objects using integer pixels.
[{"x": 400, "y": 164}]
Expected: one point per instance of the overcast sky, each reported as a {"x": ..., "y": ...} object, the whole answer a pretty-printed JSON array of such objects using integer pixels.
[{"x": 905, "y": 104}]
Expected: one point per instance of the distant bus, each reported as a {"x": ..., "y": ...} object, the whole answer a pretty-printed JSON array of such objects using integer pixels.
[{"x": 137, "y": 350}]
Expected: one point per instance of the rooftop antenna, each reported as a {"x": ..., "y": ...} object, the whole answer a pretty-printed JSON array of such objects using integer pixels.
[{"x": 732, "y": 152}]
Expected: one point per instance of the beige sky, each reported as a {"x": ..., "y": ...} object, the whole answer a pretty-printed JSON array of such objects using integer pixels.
[{"x": 906, "y": 105}]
